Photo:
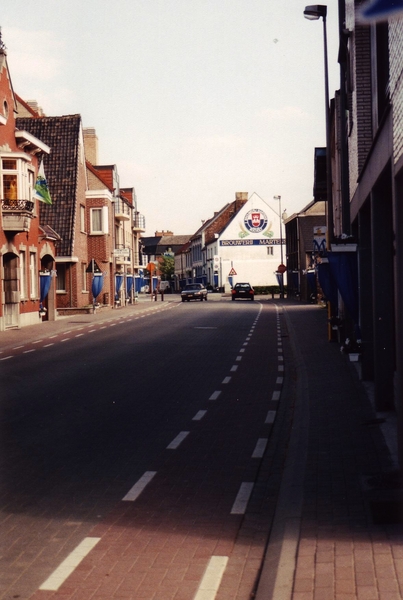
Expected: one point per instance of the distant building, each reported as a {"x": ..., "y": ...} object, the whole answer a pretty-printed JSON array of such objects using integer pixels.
[
  {"x": 245, "y": 245},
  {"x": 305, "y": 234}
]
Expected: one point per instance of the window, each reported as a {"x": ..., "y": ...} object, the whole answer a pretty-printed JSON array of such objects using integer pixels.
[
  {"x": 61, "y": 278},
  {"x": 23, "y": 275},
  {"x": 31, "y": 183},
  {"x": 16, "y": 179},
  {"x": 33, "y": 275},
  {"x": 270, "y": 250},
  {"x": 82, "y": 218},
  {"x": 9, "y": 179},
  {"x": 84, "y": 277},
  {"x": 99, "y": 220}
]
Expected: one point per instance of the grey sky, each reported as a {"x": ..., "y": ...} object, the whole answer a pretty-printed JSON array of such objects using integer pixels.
[{"x": 192, "y": 100}]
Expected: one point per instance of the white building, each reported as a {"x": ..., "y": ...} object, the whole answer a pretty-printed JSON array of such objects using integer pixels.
[{"x": 248, "y": 248}]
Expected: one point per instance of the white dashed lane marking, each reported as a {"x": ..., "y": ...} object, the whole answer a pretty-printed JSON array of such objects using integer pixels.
[
  {"x": 271, "y": 415},
  {"x": 260, "y": 448},
  {"x": 212, "y": 577},
  {"x": 242, "y": 499},
  {"x": 178, "y": 440},
  {"x": 69, "y": 564},
  {"x": 215, "y": 395},
  {"x": 139, "y": 487},
  {"x": 199, "y": 415}
]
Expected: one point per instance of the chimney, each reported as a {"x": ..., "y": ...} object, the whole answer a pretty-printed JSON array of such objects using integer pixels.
[
  {"x": 162, "y": 233},
  {"x": 242, "y": 196},
  {"x": 90, "y": 145},
  {"x": 33, "y": 104}
]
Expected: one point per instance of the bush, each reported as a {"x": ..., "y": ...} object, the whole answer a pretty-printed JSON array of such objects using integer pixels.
[{"x": 268, "y": 289}]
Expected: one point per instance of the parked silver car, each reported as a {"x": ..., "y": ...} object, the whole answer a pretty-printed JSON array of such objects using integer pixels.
[{"x": 194, "y": 291}]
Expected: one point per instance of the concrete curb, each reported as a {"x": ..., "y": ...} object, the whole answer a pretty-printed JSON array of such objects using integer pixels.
[{"x": 277, "y": 576}]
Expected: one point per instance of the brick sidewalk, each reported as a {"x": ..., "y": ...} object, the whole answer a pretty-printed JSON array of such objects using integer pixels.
[{"x": 348, "y": 528}]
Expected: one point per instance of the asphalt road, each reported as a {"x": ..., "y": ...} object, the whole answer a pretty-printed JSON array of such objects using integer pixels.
[{"x": 142, "y": 436}]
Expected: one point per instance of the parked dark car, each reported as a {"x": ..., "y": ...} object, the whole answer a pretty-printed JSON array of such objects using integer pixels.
[
  {"x": 243, "y": 290},
  {"x": 194, "y": 291}
]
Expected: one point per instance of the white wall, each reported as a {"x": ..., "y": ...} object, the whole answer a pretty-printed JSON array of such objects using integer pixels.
[{"x": 243, "y": 245}]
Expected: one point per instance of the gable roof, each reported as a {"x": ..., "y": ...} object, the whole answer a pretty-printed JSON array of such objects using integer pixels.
[
  {"x": 157, "y": 245},
  {"x": 21, "y": 104},
  {"x": 98, "y": 174},
  {"x": 4, "y": 65},
  {"x": 220, "y": 220},
  {"x": 62, "y": 134}
]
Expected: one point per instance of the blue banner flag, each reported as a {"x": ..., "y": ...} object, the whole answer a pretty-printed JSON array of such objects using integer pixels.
[{"x": 380, "y": 10}]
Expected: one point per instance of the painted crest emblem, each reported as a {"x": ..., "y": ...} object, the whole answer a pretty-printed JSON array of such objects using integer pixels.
[{"x": 255, "y": 221}]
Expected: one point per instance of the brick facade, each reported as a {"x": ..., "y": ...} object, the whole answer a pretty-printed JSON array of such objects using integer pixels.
[{"x": 25, "y": 249}]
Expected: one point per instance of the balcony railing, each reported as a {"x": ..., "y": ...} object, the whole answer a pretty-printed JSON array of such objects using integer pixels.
[
  {"x": 17, "y": 206},
  {"x": 122, "y": 210},
  {"x": 17, "y": 214},
  {"x": 139, "y": 222}
]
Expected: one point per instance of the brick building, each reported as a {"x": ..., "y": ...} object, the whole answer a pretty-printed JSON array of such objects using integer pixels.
[
  {"x": 66, "y": 173},
  {"x": 370, "y": 138},
  {"x": 27, "y": 246}
]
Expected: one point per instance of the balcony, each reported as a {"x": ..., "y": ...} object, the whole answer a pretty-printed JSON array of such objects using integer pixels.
[
  {"x": 139, "y": 223},
  {"x": 122, "y": 210},
  {"x": 17, "y": 214}
]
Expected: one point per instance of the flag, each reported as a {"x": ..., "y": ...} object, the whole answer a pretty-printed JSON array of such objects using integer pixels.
[
  {"x": 41, "y": 190},
  {"x": 375, "y": 11}
]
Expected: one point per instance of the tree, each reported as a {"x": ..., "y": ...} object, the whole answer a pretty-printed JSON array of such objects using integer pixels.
[{"x": 167, "y": 267}]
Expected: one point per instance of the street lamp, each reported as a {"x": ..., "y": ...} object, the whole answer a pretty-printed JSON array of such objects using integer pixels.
[
  {"x": 281, "y": 268},
  {"x": 313, "y": 13},
  {"x": 281, "y": 229}
]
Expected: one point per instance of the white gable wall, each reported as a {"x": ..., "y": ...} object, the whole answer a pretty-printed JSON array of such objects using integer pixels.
[{"x": 243, "y": 246}]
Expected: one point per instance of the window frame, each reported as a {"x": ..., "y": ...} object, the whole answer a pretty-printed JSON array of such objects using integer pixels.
[
  {"x": 23, "y": 172},
  {"x": 104, "y": 224},
  {"x": 84, "y": 278},
  {"x": 61, "y": 275},
  {"x": 33, "y": 275},
  {"x": 23, "y": 274}
]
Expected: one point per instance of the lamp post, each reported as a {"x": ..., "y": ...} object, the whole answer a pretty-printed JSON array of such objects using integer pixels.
[
  {"x": 281, "y": 268},
  {"x": 313, "y": 13}
]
